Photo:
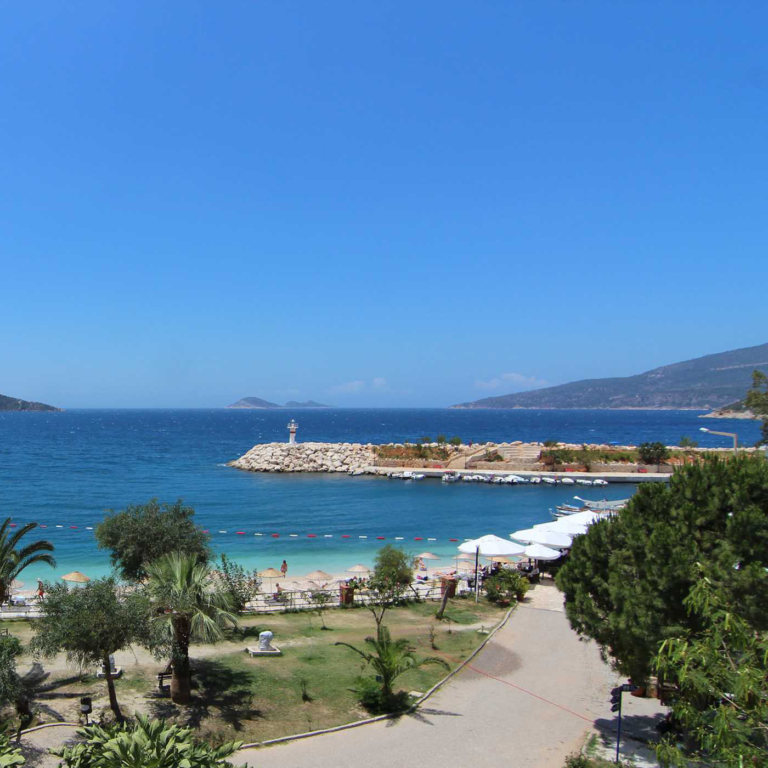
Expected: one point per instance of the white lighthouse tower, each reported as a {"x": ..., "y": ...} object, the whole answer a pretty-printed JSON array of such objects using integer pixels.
[{"x": 292, "y": 427}]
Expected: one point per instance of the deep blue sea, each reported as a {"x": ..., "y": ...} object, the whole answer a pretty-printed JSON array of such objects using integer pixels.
[{"x": 65, "y": 469}]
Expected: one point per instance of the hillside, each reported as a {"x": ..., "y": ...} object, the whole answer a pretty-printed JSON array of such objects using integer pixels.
[
  {"x": 257, "y": 402},
  {"x": 14, "y": 404},
  {"x": 707, "y": 382}
]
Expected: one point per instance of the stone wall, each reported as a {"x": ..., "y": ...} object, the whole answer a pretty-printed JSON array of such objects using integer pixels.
[{"x": 306, "y": 457}]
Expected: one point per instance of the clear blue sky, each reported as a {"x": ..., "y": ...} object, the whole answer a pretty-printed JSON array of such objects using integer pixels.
[{"x": 375, "y": 203}]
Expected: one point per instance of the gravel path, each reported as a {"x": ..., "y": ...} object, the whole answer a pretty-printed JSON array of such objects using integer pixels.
[{"x": 529, "y": 698}]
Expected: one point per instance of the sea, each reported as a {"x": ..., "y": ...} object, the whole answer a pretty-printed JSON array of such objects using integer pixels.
[{"x": 64, "y": 470}]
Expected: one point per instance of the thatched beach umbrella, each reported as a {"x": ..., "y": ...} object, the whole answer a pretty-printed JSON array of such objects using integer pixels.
[
  {"x": 271, "y": 573},
  {"x": 500, "y": 559},
  {"x": 76, "y": 577},
  {"x": 428, "y": 556},
  {"x": 318, "y": 576},
  {"x": 358, "y": 569}
]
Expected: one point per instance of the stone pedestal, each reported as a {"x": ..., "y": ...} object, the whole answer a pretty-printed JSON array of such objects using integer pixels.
[{"x": 265, "y": 647}]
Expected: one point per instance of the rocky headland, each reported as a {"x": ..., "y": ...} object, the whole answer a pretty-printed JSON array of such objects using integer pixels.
[{"x": 306, "y": 457}]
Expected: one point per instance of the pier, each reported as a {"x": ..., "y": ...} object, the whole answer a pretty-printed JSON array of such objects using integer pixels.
[{"x": 609, "y": 477}]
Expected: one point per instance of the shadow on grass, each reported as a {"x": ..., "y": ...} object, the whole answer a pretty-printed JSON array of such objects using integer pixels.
[{"x": 217, "y": 691}]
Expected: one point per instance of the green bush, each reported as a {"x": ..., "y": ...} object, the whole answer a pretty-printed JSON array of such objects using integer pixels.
[
  {"x": 376, "y": 701},
  {"x": 9, "y": 755},
  {"x": 145, "y": 743},
  {"x": 506, "y": 586}
]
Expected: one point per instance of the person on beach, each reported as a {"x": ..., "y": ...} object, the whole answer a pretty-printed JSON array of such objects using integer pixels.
[
  {"x": 284, "y": 568},
  {"x": 40, "y": 589}
]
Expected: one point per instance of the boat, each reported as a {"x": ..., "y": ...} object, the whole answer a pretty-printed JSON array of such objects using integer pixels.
[
  {"x": 567, "y": 509},
  {"x": 604, "y": 505},
  {"x": 535, "y": 480},
  {"x": 567, "y": 481},
  {"x": 581, "y": 481},
  {"x": 467, "y": 478},
  {"x": 418, "y": 476},
  {"x": 549, "y": 480},
  {"x": 451, "y": 477},
  {"x": 599, "y": 482}
]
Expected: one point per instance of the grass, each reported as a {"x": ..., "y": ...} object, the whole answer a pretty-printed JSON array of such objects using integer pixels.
[{"x": 311, "y": 686}]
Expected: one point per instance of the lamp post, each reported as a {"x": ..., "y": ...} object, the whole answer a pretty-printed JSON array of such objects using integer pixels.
[{"x": 724, "y": 434}]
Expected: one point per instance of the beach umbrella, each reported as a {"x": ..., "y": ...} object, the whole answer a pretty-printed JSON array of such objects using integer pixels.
[
  {"x": 562, "y": 527},
  {"x": 270, "y": 574},
  {"x": 500, "y": 559},
  {"x": 358, "y": 569},
  {"x": 428, "y": 556},
  {"x": 540, "y": 552},
  {"x": 545, "y": 537},
  {"x": 464, "y": 556},
  {"x": 489, "y": 546},
  {"x": 318, "y": 576},
  {"x": 76, "y": 577},
  {"x": 465, "y": 566},
  {"x": 16, "y": 584}
]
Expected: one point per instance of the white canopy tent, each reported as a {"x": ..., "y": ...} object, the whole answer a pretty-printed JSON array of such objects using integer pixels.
[
  {"x": 540, "y": 552},
  {"x": 489, "y": 546},
  {"x": 553, "y": 539}
]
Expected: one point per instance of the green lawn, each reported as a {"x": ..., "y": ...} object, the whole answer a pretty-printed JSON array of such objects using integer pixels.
[{"x": 311, "y": 686}]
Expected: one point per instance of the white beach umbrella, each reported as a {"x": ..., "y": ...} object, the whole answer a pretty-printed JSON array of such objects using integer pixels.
[
  {"x": 488, "y": 546},
  {"x": 540, "y": 552},
  {"x": 586, "y": 517},
  {"x": 561, "y": 526},
  {"x": 545, "y": 537}
]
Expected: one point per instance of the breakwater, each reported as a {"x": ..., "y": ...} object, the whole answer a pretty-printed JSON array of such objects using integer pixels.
[{"x": 307, "y": 457}]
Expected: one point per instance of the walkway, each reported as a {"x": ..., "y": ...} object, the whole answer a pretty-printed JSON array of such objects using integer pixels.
[{"x": 530, "y": 698}]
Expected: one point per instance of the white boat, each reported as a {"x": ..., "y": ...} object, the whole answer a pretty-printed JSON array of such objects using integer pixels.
[
  {"x": 549, "y": 480},
  {"x": 584, "y": 482},
  {"x": 467, "y": 478},
  {"x": 535, "y": 480},
  {"x": 510, "y": 480},
  {"x": 418, "y": 476},
  {"x": 599, "y": 482},
  {"x": 567, "y": 481},
  {"x": 451, "y": 477},
  {"x": 604, "y": 505}
]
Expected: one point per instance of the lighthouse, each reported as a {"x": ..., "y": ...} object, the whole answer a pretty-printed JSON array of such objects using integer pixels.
[{"x": 292, "y": 427}]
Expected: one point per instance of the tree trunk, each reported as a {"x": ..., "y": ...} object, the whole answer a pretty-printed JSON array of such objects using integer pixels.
[
  {"x": 113, "y": 705},
  {"x": 3, "y": 592},
  {"x": 180, "y": 683},
  {"x": 440, "y": 613}
]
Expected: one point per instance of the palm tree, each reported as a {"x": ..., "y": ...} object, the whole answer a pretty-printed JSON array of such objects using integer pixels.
[
  {"x": 189, "y": 606},
  {"x": 391, "y": 658},
  {"x": 13, "y": 561}
]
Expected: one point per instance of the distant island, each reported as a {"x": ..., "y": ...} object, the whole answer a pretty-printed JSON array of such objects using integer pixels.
[
  {"x": 709, "y": 382},
  {"x": 257, "y": 402},
  {"x": 15, "y": 404}
]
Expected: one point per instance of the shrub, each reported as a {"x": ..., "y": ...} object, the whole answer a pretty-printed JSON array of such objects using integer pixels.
[
  {"x": 376, "y": 701},
  {"x": 9, "y": 755},
  {"x": 506, "y": 585},
  {"x": 145, "y": 743}
]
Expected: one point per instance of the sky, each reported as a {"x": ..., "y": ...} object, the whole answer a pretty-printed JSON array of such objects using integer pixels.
[{"x": 375, "y": 204}]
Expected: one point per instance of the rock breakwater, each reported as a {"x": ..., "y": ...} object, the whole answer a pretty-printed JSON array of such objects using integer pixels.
[{"x": 306, "y": 457}]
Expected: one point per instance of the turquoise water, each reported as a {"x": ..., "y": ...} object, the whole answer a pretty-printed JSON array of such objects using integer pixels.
[{"x": 65, "y": 469}]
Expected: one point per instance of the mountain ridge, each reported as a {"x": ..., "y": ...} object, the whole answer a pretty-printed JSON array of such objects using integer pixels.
[{"x": 702, "y": 383}]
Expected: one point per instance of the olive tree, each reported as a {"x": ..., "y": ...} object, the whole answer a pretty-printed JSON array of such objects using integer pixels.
[
  {"x": 391, "y": 578},
  {"x": 89, "y": 624},
  {"x": 143, "y": 533}
]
